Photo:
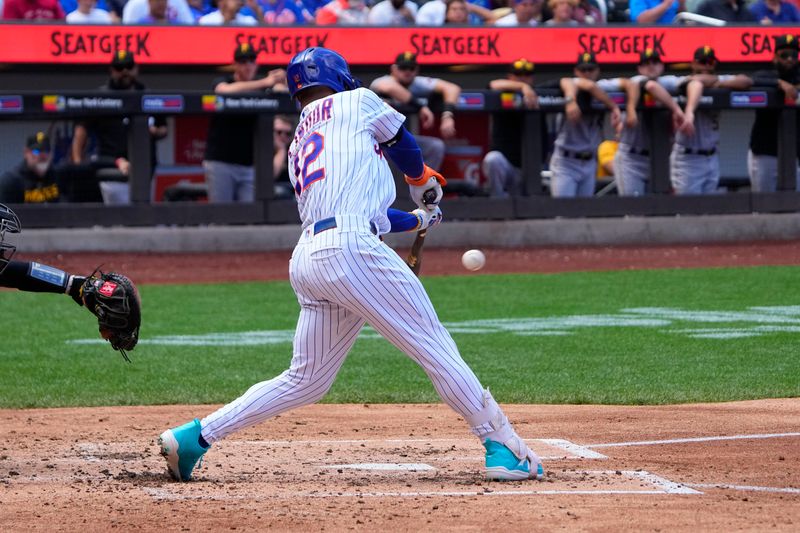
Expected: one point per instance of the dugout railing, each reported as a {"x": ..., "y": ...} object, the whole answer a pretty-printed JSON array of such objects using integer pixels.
[{"x": 532, "y": 203}]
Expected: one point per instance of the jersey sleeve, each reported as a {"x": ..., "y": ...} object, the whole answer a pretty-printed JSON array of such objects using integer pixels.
[
  {"x": 610, "y": 85},
  {"x": 380, "y": 119}
]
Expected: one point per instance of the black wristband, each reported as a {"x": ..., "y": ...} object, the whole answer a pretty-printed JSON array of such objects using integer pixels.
[{"x": 449, "y": 108}]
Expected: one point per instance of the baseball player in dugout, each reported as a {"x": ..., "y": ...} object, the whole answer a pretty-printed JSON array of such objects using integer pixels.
[
  {"x": 502, "y": 164},
  {"x": 405, "y": 86},
  {"x": 762, "y": 158},
  {"x": 344, "y": 275},
  {"x": 33, "y": 180},
  {"x": 694, "y": 161},
  {"x": 111, "y": 133},
  {"x": 228, "y": 161},
  {"x": 632, "y": 159},
  {"x": 574, "y": 160}
]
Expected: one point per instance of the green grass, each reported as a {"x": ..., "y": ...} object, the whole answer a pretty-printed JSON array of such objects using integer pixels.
[{"x": 620, "y": 365}]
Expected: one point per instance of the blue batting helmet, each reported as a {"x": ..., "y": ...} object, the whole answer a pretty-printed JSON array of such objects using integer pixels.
[{"x": 319, "y": 66}]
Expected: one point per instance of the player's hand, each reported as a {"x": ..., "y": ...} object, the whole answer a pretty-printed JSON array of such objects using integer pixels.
[
  {"x": 447, "y": 127},
  {"x": 789, "y": 91},
  {"x": 427, "y": 219},
  {"x": 616, "y": 116},
  {"x": 687, "y": 127},
  {"x": 427, "y": 196},
  {"x": 631, "y": 119},
  {"x": 572, "y": 111},
  {"x": 529, "y": 98},
  {"x": 123, "y": 165},
  {"x": 425, "y": 117},
  {"x": 275, "y": 77}
]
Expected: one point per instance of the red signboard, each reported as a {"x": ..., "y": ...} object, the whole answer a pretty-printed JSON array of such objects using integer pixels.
[{"x": 184, "y": 45}]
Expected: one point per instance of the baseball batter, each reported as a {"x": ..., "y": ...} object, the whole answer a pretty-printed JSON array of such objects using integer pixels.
[
  {"x": 694, "y": 161},
  {"x": 345, "y": 276}
]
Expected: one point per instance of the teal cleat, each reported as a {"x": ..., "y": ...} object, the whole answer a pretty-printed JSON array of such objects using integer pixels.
[
  {"x": 503, "y": 465},
  {"x": 181, "y": 448}
]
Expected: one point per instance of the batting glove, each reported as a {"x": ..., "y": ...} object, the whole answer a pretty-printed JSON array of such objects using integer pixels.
[{"x": 427, "y": 219}]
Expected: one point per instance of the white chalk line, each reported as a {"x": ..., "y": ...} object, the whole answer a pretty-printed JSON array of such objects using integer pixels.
[
  {"x": 385, "y": 467},
  {"x": 746, "y": 488},
  {"x": 661, "y": 486},
  {"x": 693, "y": 439}
]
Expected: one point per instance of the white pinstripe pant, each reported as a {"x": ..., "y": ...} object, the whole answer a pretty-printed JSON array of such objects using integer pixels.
[{"x": 343, "y": 278}]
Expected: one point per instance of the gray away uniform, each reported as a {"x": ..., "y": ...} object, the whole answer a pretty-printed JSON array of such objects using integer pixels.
[
  {"x": 574, "y": 160},
  {"x": 632, "y": 160}
]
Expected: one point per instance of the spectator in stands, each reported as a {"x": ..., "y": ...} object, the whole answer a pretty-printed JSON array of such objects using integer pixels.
[
  {"x": 727, "y": 10},
  {"x": 393, "y": 13},
  {"x": 228, "y": 160},
  {"x": 586, "y": 12},
  {"x": 460, "y": 13},
  {"x": 343, "y": 13},
  {"x": 762, "y": 158},
  {"x": 655, "y": 11},
  {"x": 111, "y": 133},
  {"x": 33, "y": 180},
  {"x": 286, "y": 13},
  {"x": 137, "y": 10},
  {"x": 525, "y": 13},
  {"x": 502, "y": 164},
  {"x": 227, "y": 15},
  {"x": 405, "y": 87},
  {"x": 562, "y": 12},
  {"x": 573, "y": 163},
  {"x": 694, "y": 161},
  {"x": 32, "y": 10},
  {"x": 88, "y": 13},
  {"x": 774, "y": 12},
  {"x": 632, "y": 162},
  {"x": 199, "y": 8},
  {"x": 433, "y": 13},
  {"x": 282, "y": 130},
  {"x": 159, "y": 13}
]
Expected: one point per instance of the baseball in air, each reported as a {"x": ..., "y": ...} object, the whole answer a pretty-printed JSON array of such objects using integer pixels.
[{"x": 473, "y": 260}]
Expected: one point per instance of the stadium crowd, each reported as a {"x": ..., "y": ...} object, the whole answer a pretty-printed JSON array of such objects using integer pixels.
[{"x": 505, "y": 13}]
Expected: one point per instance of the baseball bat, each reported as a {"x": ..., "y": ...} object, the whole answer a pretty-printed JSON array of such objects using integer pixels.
[{"x": 414, "y": 260}]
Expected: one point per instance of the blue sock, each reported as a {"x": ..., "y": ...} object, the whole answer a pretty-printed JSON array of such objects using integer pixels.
[{"x": 202, "y": 442}]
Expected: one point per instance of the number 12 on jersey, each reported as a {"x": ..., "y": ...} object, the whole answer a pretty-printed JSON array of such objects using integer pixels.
[{"x": 308, "y": 153}]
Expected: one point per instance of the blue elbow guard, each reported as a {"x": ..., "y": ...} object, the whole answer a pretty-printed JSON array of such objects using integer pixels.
[
  {"x": 402, "y": 221},
  {"x": 405, "y": 153}
]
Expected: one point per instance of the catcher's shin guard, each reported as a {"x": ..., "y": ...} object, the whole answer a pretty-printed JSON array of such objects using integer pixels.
[{"x": 507, "y": 455}]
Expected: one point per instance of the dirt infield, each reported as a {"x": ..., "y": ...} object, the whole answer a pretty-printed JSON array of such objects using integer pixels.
[
  {"x": 715, "y": 467},
  {"x": 722, "y": 467}
]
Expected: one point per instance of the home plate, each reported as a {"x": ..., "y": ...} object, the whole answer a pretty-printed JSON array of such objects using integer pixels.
[{"x": 410, "y": 467}]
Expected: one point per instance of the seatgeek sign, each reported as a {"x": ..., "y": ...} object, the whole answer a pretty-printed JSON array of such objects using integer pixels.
[{"x": 41, "y": 43}]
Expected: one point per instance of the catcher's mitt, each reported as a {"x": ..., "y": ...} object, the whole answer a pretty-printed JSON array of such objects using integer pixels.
[{"x": 114, "y": 300}]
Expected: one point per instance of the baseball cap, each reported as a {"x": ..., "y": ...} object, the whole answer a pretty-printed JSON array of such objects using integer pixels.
[
  {"x": 586, "y": 59},
  {"x": 648, "y": 55},
  {"x": 38, "y": 141},
  {"x": 122, "y": 59},
  {"x": 244, "y": 52},
  {"x": 705, "y": 54},
  {"x": 406, "y": 59},
  {"x": 521, "y": 67},
  {"x": 786, "y": 41}
]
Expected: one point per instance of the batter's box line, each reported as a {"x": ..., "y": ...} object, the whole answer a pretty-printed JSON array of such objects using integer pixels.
[
  {"x": 660, "y": 486},
  {"x": 573, "y": 451}
]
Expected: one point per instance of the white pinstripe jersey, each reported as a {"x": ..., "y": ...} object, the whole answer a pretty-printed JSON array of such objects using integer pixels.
[{"x": 335, "y": 161}]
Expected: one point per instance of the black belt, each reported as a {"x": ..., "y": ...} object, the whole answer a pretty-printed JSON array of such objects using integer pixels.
[
  {"x": 699, "y": 152},
  {"x": 582, "y": 156},
  {"x": 330, "y": 223},
  {"x": 636, "y": 151}
]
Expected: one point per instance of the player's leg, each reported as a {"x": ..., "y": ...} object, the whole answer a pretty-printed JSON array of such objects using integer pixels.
[
  {"x": 710, "y": 178},
  {"x": 562, "y": 181},
  {"x": 587, "y": 180},
  {"x": 245, "y": 183},
  {"x": 763, "y": 171},
  {"x": 324, "y": 335},
  {"x": 219, "y": 181},
  {"x": 372, "y": 280},
  {"x": 501, "y": 173}
]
